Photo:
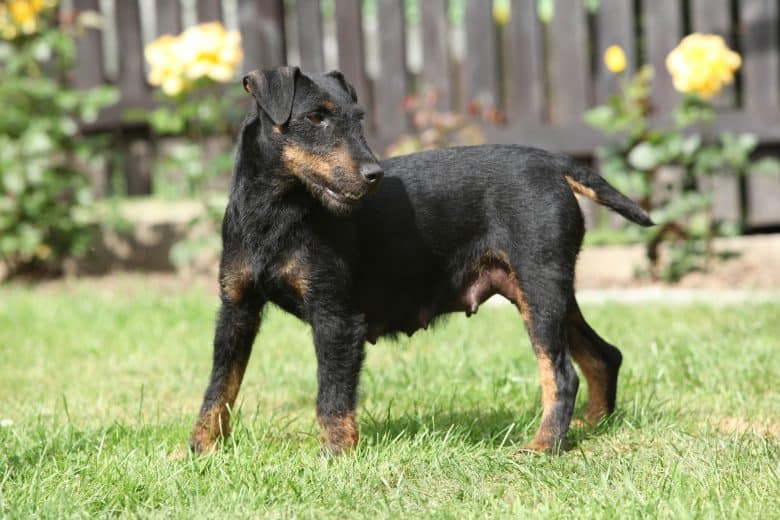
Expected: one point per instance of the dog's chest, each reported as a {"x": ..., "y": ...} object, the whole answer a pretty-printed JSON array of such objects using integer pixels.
[{"x": 289, "y": 283}]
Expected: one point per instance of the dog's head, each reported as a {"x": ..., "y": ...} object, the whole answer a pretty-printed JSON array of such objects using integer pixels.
[{"x": 314, "y": 124}]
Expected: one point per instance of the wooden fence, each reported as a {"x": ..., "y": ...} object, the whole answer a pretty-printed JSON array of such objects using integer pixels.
[{"x": 541, "y": 76}]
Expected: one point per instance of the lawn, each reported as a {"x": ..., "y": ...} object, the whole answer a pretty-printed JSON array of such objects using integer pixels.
[{"x": 99, "y": 384}]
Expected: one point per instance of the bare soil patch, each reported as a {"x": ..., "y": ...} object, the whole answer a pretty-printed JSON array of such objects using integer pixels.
[{"x": 754, "y": 264}]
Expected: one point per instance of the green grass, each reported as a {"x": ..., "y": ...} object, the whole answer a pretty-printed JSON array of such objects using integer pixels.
[{"x": 102, "y": 383}]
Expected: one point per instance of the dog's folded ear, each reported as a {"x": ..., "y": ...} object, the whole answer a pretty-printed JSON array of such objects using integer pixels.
[
  {"x": 273, "y": 90},
  {"x": 346, "y": 85}
]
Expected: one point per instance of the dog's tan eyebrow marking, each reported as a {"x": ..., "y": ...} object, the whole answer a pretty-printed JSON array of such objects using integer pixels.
[{"x": 328, "y": 105}]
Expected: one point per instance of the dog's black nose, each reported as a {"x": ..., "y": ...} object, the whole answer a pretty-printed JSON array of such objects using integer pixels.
[{"x": 371, "y": 172}]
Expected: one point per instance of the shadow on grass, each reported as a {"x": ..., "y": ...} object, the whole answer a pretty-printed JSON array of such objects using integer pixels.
[
  {"x": 487, "y": 427},
  {"x": 502, "y": 426}
]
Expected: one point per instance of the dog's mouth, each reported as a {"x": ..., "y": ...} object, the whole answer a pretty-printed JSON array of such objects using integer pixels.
[
  {"x": 346, "y": 197},
  {"x": 339, "y": 201}
]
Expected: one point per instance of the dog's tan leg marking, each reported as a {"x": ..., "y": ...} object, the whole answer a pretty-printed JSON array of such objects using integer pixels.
[
  {"x": 596, "y": 372},
  {"x": 338, "y": 434},
  {"x": 214, "y": 423}
]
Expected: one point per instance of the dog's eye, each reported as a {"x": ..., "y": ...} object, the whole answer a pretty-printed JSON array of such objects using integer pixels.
[{"x": 314, "y": 118}]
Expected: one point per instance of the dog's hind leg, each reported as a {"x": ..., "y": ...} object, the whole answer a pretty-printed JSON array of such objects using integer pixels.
[
  {"x": 600, "y": 363},
  {"x": 543, "y": 305},
  {"x": 339, "y": 339},
  {"x": 237, "y": 325}
]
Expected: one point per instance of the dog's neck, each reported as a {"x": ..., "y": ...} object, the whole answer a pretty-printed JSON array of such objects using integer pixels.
[{"x": 268, "y": 214}]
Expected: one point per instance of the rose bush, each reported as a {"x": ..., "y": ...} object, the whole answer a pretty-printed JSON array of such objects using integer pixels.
[
  {"x": 649, "y": 150},
  {"x": 45, "y": 197}
]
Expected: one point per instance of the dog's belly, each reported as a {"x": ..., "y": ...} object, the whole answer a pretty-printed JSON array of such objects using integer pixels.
[{"x": 419, "y": 310}]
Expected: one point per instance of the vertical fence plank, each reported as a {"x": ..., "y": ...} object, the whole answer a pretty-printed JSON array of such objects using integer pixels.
[
  {"x": 262, "y": 33},
  {"x": 133, "y": 147},
  {"x": 131, "y": 78},
  {"x": 168, "y": 14},
  {"x": 480, "y": 68},
  {"x": 571, "y": 80},
  {"x": 352, "y": 58},
  {"x": 662, "y": 29},
  {"x": 209, "y": 10},
  {"x": 760, "y": 77},
  {"x": 525, "y": 92},
  {"x": 391, "y": 88},
  {"x": 436, "y": 58},
  {"x": 89, "y": 66},
  {"x": 310, "y": 35},
  {"x": 88, "y": 73},
  {"x": 763, "y": 198},
  {"x": 714, "y": 16},
  {"x": 761, "y": 69},
  {"x": 615, "y": 26}
]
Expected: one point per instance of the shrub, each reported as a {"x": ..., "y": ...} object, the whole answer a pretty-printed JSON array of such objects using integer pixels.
[
  {"x": 645, "y": 151},
  {"x": 45, "y": 197}
]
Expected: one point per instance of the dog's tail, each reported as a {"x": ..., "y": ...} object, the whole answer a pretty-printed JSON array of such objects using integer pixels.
[{"x": 587, "y": 182}]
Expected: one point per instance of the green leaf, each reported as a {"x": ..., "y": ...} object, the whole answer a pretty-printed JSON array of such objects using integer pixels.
[
  {"x": 690, "y": 146},
  {"x": 600, "y": 117},
  {"x": 13, "y": 181},
  {"x": 644, "y": 156},
  {"x": 766, "y": 166}
]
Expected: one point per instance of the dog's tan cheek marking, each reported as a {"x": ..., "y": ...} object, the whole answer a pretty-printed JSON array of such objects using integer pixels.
[
  {"x": 276, "y": 129},
  {"x": 582, "y": 190},
  {"x": 299, "y": 161},
  {"x": 340, "y": 433},
  {"x": 343, "y": 159},
  {"x": 235, "y": 280}
]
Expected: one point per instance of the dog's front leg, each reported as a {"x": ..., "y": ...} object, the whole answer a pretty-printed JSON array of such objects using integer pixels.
[
  {"x": 237, "y": 327},
  {"x": 339, "y": 340}
]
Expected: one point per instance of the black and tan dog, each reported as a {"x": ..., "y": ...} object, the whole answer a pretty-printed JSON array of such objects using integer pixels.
[{"x": 310, "y": 227}]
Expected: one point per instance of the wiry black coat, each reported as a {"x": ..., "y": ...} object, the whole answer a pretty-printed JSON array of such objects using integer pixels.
[{"x": 306, "y": 228}]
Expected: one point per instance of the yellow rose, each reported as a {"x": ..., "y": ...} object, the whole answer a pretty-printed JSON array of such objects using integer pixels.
[
  {"x": 212, "y": 52},
  {"x": 166, "y": 70},
  {"x": 702, "y": 64},
  {"x": 201, "y": 51},
  {"x": 615, "y": 59},
  {"x": 22, "y": 12},
  {"x": 22, "y": 16}
]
